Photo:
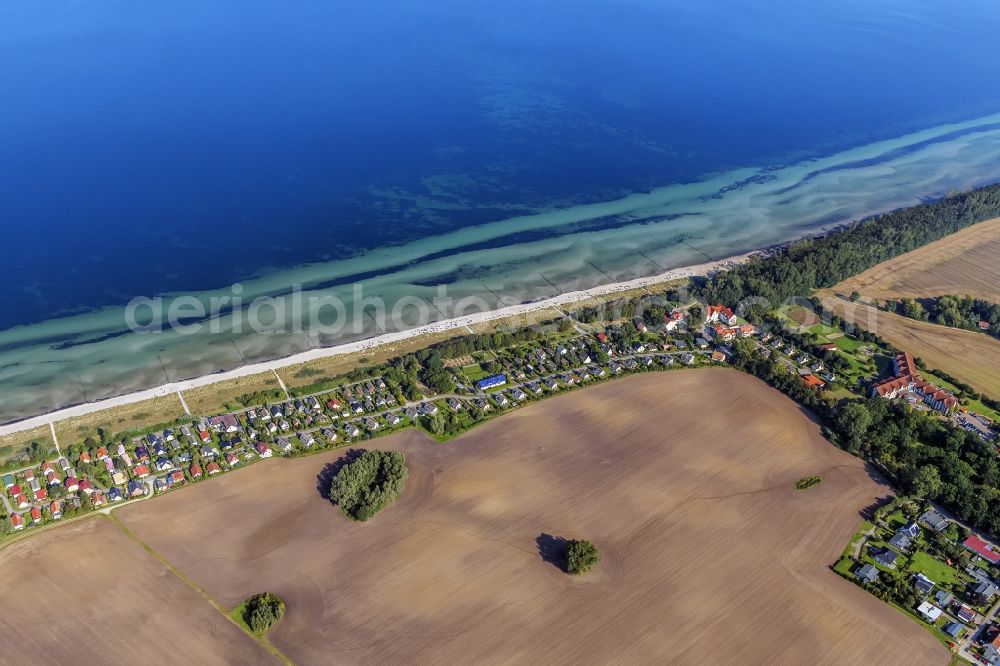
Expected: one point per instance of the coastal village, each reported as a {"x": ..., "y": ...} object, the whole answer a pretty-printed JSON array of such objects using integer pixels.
[{"x": 951, "y": 571}]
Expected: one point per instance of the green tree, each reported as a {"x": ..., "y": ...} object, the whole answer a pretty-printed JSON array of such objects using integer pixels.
[
  {"x": 581, "y": 556},
  {"x": 262, "y": 611},
  {"x": 369, "y": 483},
  {"x": 926, "y": 482}
]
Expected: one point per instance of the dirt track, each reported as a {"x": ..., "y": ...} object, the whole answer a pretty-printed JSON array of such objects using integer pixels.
[{"x": 684, "y": 480}]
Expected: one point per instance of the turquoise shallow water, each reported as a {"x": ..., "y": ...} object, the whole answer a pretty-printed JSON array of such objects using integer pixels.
[{"x": 504, "y": 151}]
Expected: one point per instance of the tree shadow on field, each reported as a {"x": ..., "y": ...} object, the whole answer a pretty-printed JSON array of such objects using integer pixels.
[
  {"x": 553, "y": 550},
  {"x": 868, "y": 512},
  {"x": 325, "y": 477}
]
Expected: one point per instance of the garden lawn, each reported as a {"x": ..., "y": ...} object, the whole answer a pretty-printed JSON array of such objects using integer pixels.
[{"x": 937, "y": 571}]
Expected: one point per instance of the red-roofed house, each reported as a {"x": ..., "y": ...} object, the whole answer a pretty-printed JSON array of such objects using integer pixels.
[
  {"x": 812, "y": 381},
  {"x": 86, "y": 486},
  {"x": 142, "y": 471},
  {"x": 602, "y": 337},
  {"x": 232, "y": 459},
  {"x": 85, "y": 457},
  {"x": 56, "y": 509},
  {"x": 72, "y": 485},
  {"x": 212, "y": 468},
  {"x": 41, "y": 494},
  {"x": 982, "y": 548},
  {"x": 984, "y": 326},
  {"x": 15, "y": 490},
  {"x": 177, "y": 476},
  {"x": 22, "y": 501},
  {"x": 721, "y": 332},
  {"x": 720, "y": 313},
  {"x": 195, "y": 471},
  {"x": 17, "y": 521},
  {"x": 36, "y": 515},
  {"x": 102, "y": 453},
  {"x": 98, "y": 500},
  {"x": 204, "y": 436}
]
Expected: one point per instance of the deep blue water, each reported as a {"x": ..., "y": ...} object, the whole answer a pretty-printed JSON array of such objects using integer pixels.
[{"x": 155, "y": 147}]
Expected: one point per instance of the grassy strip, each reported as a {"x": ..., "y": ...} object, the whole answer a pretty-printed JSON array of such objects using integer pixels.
[{"x": 201, "y": 591}]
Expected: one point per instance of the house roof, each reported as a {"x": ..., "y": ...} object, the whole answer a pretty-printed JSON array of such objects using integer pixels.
[
  {"x": 813, "y": 381},
  {"x": 982, "y": 548},
  {"x": 886, "y": 556}
]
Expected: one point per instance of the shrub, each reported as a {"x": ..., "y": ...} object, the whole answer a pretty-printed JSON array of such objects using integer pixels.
[
  {"x": 262, "y": 611},
  {"x": 808, "y": 482},
  {"x": 368, "y": 484},
  {"x": 581, "y": 556}
]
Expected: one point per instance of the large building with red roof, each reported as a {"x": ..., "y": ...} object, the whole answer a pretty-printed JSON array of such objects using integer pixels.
[
  {"x": 907, "y": 379},
  {"x": 982, "y": 548}
]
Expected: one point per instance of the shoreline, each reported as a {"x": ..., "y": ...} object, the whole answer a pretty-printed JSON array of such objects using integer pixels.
[{"x": 162, "y": 390}]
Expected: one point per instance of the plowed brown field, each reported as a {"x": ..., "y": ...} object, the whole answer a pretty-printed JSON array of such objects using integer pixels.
[{"x": 684, "y": 480}]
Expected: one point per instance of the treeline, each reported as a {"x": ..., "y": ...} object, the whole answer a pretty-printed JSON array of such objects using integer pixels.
[
  {"x": 955, "y": 311},
  {"x": 811, "y": 264}
]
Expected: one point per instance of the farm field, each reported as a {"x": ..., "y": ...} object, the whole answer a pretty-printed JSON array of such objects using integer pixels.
[
  {"x": 961, "y": 264},
  {"x": 969, "y": 356},
  {"x": 89, "y": 594},
  {"x": 684, "y": 480}
]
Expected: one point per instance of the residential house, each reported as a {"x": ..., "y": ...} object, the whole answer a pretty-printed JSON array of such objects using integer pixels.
[
  {"x": 195, "y": 471},
  {"x": 886, "y": 557},
  {"x": 284, "y": 445},
  {"x": 930, "y": 612},
  {"x": 212, "y": 468},
  {"x": 966, "y": 613},
  {"x": 721, "y": 313},
  {"x": 984, "y": 592},
  {"x": 141, "y": 471},
  {"x": 97, "y": 500},
  {"x": 224, "y": 423},
  {"x": 923, "y": 584},
  {"x": 352, "y": 430},
  {"x": 263, "y": 450},
  {"x": 36, "y": 515},
  {"x": 232, "y": 459},
  {"x": 900, "y": 540},
  {"x": 329, "y": 434},
  {"x": 934, "y": 520},
  {"x": 135, "y": 488},
  {"x": 72, "y": 484},
  {"x": 943, "y": 598},
  {"x": 867, "y": 573},
  {"x": 307, "y": 439},
  {"x": 982, "y": 548},
  {"x": 16, "y": 521}
]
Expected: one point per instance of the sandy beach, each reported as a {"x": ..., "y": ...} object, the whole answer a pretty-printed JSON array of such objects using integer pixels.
[{"x": 512, "y": 311}]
